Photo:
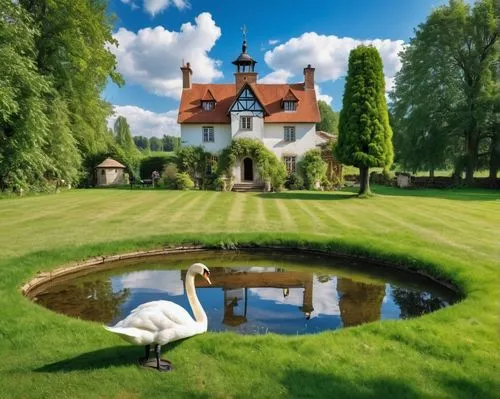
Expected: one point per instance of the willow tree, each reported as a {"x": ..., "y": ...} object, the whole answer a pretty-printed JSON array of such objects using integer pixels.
[{"x": 365, "y": 136}]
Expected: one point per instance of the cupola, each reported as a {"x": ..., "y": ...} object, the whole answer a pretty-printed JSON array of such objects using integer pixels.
[{"x": 245, "y": 65}]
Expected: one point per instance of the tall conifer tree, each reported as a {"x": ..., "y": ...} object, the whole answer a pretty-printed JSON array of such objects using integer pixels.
[{"x": 365, "y": 136}]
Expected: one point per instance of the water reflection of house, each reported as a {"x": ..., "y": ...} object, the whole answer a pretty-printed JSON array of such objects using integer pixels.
[
  {"x": 235, "y": 283},
  {"x": 359, "y": 302}
]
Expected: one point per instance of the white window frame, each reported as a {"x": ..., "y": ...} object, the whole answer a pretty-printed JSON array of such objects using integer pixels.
[
  {"x": 290, "y": 163},
  {"x": 245, "y": 122},
  {"x": 289, "y": 134},
  {"x": 290, "y": 106},
  {"x": 207, "y": 134},
  {"x": 208, "y": 105}
]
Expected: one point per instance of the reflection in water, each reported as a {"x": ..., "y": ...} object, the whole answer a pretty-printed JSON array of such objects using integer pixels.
[
  {"x": 413, "y": 303},
  {"x": 91, "y": 300},
  {"x": 359, "y": 302},
  {"x": 247, "y": 300}
]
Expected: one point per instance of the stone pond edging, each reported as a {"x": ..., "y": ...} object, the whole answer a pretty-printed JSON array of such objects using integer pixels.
[{"x": 96, "y": 263}]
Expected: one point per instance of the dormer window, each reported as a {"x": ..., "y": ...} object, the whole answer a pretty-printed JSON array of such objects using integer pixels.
[
  {"x": 290, "y": 106},
  {"x": 208, "y": 105},
  {"x": 289, "y": 101}
]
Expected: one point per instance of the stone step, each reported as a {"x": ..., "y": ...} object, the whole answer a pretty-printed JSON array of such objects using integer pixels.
[{"x": 248, "y": 187}]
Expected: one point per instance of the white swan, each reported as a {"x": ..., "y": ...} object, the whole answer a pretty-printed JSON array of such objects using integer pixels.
[{"x": 161, "y": 322}]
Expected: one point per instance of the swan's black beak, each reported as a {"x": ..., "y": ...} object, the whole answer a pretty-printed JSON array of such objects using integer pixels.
[{"x": 206, "y": 275}]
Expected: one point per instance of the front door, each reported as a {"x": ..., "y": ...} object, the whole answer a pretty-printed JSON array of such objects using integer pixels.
[{"x": 247, "y": 169}]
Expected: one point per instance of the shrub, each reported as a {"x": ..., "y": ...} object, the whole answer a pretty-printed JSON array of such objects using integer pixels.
[
  {"x": 326, "y": 184},
  {"x": 183, "y": 181},
  {"x": 168, "y": 176},
  {"x": 191, "y": 160},
  {"x": 385, "y": 178},
  {"x": 312, "y": 168},
  {"x": 156, "y": 162},
  {"x": 294, "y": 182},
  {"x": 195, "y": 161}
]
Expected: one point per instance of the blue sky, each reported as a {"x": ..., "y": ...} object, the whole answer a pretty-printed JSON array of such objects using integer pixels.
[{"x": 283, "y": 36}]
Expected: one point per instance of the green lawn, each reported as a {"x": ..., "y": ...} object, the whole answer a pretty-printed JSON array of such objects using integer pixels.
[{"x": 452, "y": 353}]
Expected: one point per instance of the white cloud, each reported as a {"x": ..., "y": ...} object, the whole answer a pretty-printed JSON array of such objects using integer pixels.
[
  {"x": 323, "y": 97},
  {"x": 329, "y": 55},
  {"x": 154, "y": 7},
  {"x": 146, "y": 123},
  {"x": 279, "y": 76},
  {"x": 132, "y": 4},
  {"x": 169, "y": 281},
  {"x": 152, "y": 56},
  {"x": 273, "y": 42}
]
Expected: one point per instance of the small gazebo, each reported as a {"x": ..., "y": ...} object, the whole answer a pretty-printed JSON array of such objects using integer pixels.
[{"x": 110, "y": 172}]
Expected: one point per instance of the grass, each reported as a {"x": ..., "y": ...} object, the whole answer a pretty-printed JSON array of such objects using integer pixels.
[{"x": 452, "y": 353}]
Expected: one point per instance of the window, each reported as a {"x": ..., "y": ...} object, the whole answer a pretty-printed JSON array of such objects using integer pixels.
[
  {"x": 208, "y": 105},
  {"x": 289, "y": 164},
  {"x": 208, "y": 134},
  {"x": 290, "y": 106},
  {"x": 289, "y": 133},
  {"x": 103, "y": 172},
  {"x": 246, "y": 123}
]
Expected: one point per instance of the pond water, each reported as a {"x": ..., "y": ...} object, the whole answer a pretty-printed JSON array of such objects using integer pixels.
[{"x": 284, "y": 292}]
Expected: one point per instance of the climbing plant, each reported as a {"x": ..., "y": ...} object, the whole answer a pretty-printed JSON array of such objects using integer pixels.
[{"x": 270, "y": 168}]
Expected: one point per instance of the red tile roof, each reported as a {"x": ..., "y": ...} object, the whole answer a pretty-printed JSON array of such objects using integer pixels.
[
  {"x": 290, "y": 96},
  {"x": 270, "y": 95},
  {"x": 208, "y": 96}
]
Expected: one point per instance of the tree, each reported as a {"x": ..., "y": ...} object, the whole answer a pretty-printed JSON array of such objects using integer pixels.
[
  {"x": 124, "y": 140},
  {"x": 171, "y": 143},
  {"x": 329, "y": 118},
  {"x": 156, "y": 144},
  {"x": 142, "y": 142},
  {"x": 452, "y": 53},
  {"x": 365, "y": 136},
  {"x": 23, "y": 120},
  {"x": 422, "y": 110},
  {"x": 73, "y": 53}
]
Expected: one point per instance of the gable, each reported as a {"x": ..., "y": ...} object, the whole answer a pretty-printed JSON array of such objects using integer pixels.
[{"x": 247, "y": 101}]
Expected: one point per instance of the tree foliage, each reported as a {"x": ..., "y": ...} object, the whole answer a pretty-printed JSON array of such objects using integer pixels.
[
  {"x": 365, "y": 136},
  {"x": 23, "y": 120},
  {"x": 329, "y": 118},
  {"x": 126, "y": 144},
  {"x": 54, "y": 62},
  {"x": 443, "y": 98}
]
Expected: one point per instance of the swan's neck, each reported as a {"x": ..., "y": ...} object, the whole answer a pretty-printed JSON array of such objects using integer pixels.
[{"x": 199, "y": 314}]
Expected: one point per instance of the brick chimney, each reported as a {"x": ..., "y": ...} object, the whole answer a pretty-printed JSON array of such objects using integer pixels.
[
  {"x": 187, "y": 72},
  {"x": 309, "y": 77}
]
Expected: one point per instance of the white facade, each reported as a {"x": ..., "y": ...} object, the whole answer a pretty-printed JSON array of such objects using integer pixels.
[
  {"x": 271, "y": 134},
  {"x": 192, "y": 135}
]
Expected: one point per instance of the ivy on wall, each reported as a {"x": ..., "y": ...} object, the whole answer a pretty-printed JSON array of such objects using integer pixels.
[{"x": 270, "y": 168}]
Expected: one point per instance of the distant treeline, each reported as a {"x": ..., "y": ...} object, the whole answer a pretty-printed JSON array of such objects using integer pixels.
[{"x": 165, "y": 143}]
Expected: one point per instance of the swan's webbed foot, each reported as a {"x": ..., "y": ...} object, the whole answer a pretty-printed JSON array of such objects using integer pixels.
[{"x": 157, "y": 363}]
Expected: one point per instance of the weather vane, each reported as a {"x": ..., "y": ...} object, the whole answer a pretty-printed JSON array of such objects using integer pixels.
[{"x": 244, "y": 30}]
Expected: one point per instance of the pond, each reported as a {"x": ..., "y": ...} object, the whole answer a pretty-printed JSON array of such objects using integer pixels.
[{"x": 257, "y": 292}]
